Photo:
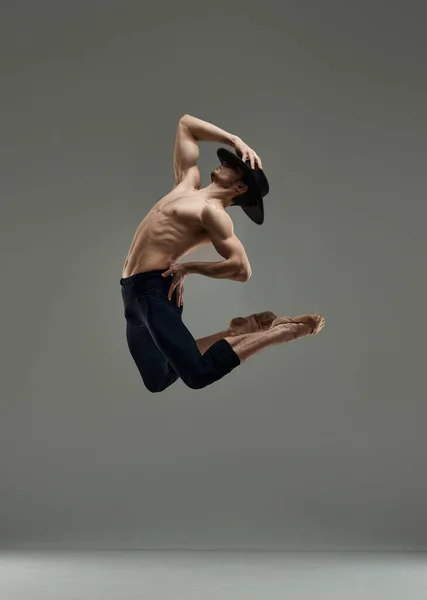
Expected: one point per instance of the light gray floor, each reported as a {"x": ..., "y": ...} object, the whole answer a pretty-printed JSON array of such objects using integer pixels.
[{"x": 211, "y": 575}]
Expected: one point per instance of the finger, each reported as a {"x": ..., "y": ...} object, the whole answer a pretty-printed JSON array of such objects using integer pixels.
[
  {"x": 258, "y": 161},
  {"x": 166, "y": 273},
  {"x": 179, "y": 295},
  {"x": 171, "y": 291},
  {"x": 252, "y": 159}
]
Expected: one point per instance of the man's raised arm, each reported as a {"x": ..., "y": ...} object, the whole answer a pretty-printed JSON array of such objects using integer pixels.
[
  {"x": 186, "y": 154},
  {"x": 202, "y": 131},
  {"x": 192, "y": 130}
]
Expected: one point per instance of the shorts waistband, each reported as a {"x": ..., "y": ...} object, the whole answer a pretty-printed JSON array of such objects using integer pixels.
[{"x": 141, "y": 276}]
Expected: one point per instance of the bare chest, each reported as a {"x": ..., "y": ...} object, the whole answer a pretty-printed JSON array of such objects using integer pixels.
[
  {"x": 175, "y": 221},
  {"x": 172, "y": 229},
  {"x": 186, "y": 210}
]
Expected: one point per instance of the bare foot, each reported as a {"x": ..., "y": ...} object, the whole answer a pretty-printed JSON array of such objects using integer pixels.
[
  {"x": 282, "y": 329},
  {"x": 251, "y": 324},
  {"x": 313, "y": 323}
]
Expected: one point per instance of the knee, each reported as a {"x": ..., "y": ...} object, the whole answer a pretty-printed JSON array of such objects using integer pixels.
[
  {"x": 194, "y": 382},
  {"x": 155, "y": 387}
]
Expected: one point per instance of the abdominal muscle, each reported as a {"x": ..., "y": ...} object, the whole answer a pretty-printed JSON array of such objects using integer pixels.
[{"x": 171, "y": 230}]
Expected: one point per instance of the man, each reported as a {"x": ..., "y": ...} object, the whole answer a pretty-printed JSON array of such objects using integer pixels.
[{"x": 152, "y": 280}]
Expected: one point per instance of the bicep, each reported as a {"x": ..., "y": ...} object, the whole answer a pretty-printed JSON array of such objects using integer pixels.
[{"x": 186, "y": 155}]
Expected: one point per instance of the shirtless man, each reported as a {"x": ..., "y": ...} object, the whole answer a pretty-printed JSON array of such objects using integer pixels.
[{"x": 187, "y": 218}]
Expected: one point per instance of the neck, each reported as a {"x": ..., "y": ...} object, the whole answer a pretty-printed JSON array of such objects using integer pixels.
[{"x": 217, "y": 194}]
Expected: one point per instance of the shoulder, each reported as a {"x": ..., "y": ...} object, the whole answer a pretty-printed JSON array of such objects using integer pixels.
[{"x": 216, "y": 218}]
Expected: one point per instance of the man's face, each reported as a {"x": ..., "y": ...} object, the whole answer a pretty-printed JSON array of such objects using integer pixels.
[{"x": 226, "y": 175}]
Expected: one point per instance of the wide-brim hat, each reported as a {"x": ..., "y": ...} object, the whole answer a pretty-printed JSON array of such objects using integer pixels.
[{"x": 252, "y": 201}]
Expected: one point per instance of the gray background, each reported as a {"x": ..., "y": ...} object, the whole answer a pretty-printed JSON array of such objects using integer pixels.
[{"x": 315, "y": 445}]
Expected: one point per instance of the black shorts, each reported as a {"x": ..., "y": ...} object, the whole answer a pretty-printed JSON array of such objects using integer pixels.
[{"x": 160, "y": 344}]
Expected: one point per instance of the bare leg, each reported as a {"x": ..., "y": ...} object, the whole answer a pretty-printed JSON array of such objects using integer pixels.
[
  {"x": 249, "y": 344},
  {"x": 206, "y": 342},
  {"x": 251, "y": 324}
]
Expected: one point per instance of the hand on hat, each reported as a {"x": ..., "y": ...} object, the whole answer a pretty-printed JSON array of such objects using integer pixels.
[{"x": 247, "y": 153}]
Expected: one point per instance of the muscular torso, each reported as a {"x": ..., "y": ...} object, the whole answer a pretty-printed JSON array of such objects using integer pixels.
[{"x": 168, "y": 232}]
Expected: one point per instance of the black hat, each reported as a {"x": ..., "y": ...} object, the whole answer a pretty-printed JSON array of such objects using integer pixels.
[{"x": 252, "y": 201}]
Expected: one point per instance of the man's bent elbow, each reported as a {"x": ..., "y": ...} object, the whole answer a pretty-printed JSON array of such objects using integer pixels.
[
  {"x": 244, "y": 275},
  {"x": 183, "y": 120}
]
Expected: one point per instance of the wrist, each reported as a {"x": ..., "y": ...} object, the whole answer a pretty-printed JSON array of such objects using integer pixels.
[
  {"x": 186, "y": 268},
  {"x": 233, "y": 140}
]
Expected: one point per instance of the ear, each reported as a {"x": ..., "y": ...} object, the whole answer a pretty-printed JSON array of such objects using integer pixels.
[{"x": 241, "y": 188}]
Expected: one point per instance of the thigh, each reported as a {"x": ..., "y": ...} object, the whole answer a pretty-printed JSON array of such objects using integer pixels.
[
  {"x": 172, "y": 338},
  {"x": 154, "y": 368}
]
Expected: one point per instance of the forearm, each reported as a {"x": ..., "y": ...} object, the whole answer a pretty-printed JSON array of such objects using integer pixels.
[
  {"x": 223, "y": 269},
  {"x": 202, "y": 131}
]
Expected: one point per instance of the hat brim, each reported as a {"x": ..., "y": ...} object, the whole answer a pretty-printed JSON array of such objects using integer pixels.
[{"x": 251, "y": 202}]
